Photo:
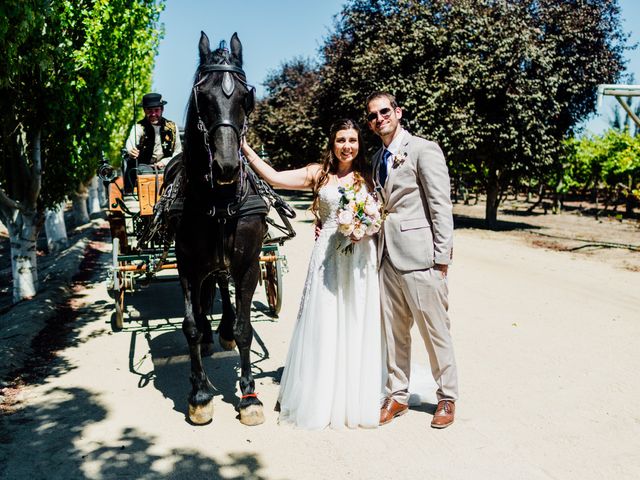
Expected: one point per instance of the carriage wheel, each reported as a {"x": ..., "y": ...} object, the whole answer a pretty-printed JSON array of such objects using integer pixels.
[
  {"x": 118, "y": 287},
  {"x": 273, "y": 285}
]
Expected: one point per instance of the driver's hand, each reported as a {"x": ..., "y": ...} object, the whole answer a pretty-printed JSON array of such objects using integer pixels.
[{"x": 134, "y": 152}]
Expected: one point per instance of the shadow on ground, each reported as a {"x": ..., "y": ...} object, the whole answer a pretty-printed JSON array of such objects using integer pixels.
[
  {"x": 155, "y": 328},
  {"x": 53, "y": 430},
  {"x": 463, "y": 221}
]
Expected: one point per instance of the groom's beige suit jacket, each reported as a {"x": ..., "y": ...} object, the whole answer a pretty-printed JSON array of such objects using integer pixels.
[{"x": 418, "y": 229}]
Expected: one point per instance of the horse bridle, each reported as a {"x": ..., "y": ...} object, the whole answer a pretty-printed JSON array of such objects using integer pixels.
[{"x": 228, "y": 85}]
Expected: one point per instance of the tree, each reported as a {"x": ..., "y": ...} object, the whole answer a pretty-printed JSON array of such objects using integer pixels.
[
  {"x": 609, "y": 162},
  {"x": 498, "y": 83},
  {"x": 63, "y": 95},
  {"x": 286, "y": 118}
]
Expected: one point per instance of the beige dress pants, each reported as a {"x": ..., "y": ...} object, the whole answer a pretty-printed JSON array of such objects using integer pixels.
[{"x": 417, "y": 296}]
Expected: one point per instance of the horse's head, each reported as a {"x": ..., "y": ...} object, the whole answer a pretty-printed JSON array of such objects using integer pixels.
[{"x": 220, "y": 103}]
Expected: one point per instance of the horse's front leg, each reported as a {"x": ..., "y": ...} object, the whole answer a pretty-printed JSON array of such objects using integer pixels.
[
  {"x": 207, "y": 296},
  {"x": 245, "y": 274},
  {"x": 225, "y": 329},
  {"x": 201, "y": 396}
]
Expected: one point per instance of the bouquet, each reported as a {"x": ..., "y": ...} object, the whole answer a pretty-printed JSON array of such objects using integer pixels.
[{"x": 359, "y": 214}]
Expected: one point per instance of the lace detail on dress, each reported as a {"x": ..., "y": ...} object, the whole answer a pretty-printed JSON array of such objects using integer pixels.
[{"x": 328, "y": 205}]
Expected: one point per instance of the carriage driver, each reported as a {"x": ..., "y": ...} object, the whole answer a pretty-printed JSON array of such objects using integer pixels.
[{"x": 154, "y": 140}]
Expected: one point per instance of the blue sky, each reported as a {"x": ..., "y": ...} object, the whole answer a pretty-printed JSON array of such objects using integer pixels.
[{"x": 274, "y": 31}]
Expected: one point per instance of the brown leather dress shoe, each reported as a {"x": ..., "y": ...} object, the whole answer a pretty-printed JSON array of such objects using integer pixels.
[
  {"x": 444, "y": 414},
  {"x": 391, "y": 409}
]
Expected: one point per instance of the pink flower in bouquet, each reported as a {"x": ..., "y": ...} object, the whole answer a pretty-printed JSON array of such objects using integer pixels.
[{"x": 373, "y": 228}]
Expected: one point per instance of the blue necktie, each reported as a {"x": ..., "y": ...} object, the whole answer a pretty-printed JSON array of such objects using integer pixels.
[{"x": 382, "y": 172}]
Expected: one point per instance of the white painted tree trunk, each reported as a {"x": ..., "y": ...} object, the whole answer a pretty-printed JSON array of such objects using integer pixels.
[
  {"x": 24, "y": 265},
  {"x": 102, "y": 194},
  {"x": 80, "y": 211},
  {"x": 20, "y": 215},
  {"x": 55, "y": 229},
  {"x": 94, "y": 198}
]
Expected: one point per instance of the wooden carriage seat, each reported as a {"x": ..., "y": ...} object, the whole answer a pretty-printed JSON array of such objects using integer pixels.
[{"x": 148, "y": 191}]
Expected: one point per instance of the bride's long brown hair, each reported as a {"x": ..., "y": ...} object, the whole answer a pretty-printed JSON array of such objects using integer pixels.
[{"x": 361, "y": 172}]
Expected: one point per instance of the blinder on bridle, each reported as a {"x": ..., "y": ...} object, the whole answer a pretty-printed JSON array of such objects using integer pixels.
[{"x": 228, "y": 86}]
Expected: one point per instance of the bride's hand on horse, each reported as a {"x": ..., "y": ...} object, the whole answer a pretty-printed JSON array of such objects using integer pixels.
[{"x": 246, "y": 149}]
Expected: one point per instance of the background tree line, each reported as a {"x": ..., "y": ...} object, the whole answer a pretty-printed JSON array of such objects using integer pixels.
[
  {"x": 501, "y": 85},
  {"x": 69, "y": 73}
]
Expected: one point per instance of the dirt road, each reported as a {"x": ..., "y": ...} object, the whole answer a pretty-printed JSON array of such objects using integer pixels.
[{"x": 547, "y": 346}]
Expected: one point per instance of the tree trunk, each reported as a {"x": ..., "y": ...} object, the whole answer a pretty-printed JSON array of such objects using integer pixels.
[
  {"x": 20, "y": 215},
  {"x": 23, "y": 233},
  {"x": 103, "y": 194},
  {"x": 80, "y": 211},
  {"x": 55, "y": 229},
  {"x": 94, "y": 197},
  {"x": 493, "y": 200}
]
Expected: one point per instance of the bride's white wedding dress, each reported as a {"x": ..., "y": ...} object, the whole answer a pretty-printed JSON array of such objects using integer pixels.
[{"x": 332, "y": 375}]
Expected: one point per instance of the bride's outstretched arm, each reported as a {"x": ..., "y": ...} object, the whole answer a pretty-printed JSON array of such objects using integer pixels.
[{"x": 297, "y": 179}]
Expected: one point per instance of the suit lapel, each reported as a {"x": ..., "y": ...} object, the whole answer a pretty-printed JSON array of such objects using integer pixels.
[
  {"x": 404, "y": 148},
  {"x": 375, "y": 164}
]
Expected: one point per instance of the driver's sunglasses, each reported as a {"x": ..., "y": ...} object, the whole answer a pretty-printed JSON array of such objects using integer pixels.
[{"x": 384, "y": 112}]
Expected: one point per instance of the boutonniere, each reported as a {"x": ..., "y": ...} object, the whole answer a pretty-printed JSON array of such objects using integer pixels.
[{"x": 398, "y": 159}]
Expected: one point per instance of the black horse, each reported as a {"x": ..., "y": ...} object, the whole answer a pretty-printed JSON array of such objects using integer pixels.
[{"x": 222, "y": 226}]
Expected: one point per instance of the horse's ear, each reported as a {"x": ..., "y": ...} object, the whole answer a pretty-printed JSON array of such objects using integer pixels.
[
  {"x": 236, "y": 49},
  {"x": 204, "y": 47}
]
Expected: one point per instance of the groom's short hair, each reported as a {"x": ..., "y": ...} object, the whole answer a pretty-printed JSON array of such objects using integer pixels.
[{"x": 380, "y": 94}]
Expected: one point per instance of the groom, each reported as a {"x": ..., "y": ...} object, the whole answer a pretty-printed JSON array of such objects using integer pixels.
[{"x": 415, "y": 248}]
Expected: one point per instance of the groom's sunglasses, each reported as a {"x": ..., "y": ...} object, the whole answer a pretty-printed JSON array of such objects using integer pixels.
[{"x": 383, "y": 112}]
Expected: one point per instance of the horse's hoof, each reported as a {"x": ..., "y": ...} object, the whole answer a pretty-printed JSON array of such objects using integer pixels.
[
  {"x": 201, "y": 414},
  {"x": 252, "y": 415},
  {"x": 227, "y": 344},
  {"x": 206, "y": 349}
]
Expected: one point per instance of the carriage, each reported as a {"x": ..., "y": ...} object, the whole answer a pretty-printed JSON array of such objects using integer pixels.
[{"x": 135, "y": 263}]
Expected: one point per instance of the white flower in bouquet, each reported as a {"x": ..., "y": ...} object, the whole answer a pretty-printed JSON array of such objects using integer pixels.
[
  {"x": 346, "y": 229},
  {"x": 345, "y": 217},
  {"x": 359, "y": 231},
  {"x": 371, "y": 208}
]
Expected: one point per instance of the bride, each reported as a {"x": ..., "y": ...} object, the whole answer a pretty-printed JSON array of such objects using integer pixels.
[{"x": 332, "y": 372}]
